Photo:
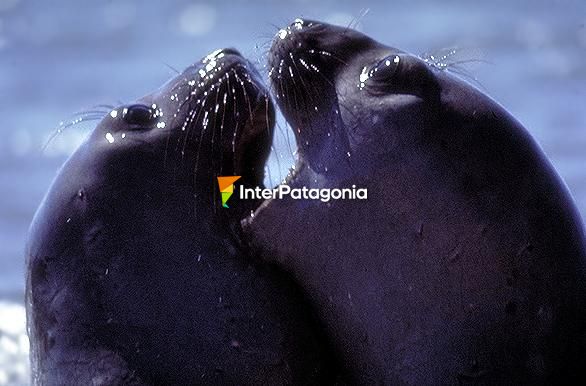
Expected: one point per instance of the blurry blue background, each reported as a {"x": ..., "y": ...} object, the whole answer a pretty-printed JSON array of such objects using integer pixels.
[{"x": 61, "y": 57}]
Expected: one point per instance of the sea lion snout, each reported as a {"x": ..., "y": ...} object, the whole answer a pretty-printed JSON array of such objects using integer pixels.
[
  {"x": 312, "y": 40},
  {"x": 221, "y": 53},
  {"x": 298, "y": 38},
  {"x": 230, "y": 51}
]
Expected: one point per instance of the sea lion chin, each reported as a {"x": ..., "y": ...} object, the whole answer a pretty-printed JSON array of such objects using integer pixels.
[
  {"x": 467, "y": 262},
  {"x": 136, "y": 275}
]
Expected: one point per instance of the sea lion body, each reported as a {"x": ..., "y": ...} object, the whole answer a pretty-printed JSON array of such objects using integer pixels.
[
  {"x": 136, "y": 275},
  {"x": 466, "y": 264}
]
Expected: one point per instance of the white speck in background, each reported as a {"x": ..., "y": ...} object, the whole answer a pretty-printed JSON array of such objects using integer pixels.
[{"x": 197, "y": 19}]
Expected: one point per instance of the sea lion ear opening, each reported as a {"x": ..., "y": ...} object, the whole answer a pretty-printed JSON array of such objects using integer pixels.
[{"x": 400, "y": 74}]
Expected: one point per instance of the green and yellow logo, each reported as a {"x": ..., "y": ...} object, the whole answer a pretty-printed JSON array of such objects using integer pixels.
[{"x": 226, "y": 185}]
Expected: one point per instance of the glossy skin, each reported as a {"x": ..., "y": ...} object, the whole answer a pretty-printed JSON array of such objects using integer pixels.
[
  {"x": 467, "y": 262},
  {"x": 136, "y": 275}
]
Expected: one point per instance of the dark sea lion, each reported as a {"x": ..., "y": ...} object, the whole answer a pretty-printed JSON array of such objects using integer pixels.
[
  {"x": 136, "y": 274},
  {"x": 466, "y": 264}
]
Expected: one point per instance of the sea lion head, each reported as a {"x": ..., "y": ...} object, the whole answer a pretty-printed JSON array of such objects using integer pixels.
[
  {"x": 215, "y": 118},
  {"x": 347, "y": 95},
  {"x": 134, "y": 274}
]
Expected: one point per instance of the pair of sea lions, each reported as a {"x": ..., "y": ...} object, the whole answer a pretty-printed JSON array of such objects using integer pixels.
[{"x": 466, "y": 264}]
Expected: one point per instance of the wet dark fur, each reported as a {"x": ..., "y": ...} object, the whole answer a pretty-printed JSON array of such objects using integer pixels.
[
  {"x": 466, "y": 265},
  {"x": 136, "y": 275}
]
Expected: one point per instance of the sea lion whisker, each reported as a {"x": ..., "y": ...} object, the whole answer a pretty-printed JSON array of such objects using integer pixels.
[
  {"x": 246, "y": 99},
  {"x": 468, "y": 61},
  {"x": 106, "y": 107},
  {"x": 465, "y": 74},
  {"x": 213, "y": 128},
  {"x": 65, "y": 125},
  {"x": 273, "y": 150},
  {"x": 276, "y": 27},
  {"x": 312, "y": 94},
  {"x": 246, "y": 77},
  {"x": 190, "y": 119},
  {"x": 446, "y": 57},
  {"x": 329, "y": 55},
  {"x": 170, "y": 67},
  {"x": 85, "y": 116},
  {"x": 297, "y": 71},
  {"x": 270, "y": 77},
  {"x": 280, "y": 94},
  {"x": 320, "y": 73},
  {"x": 357, "y": 19},
  {"x": 238, "y": 126},
  {"x": 201, "y": 101},
  {"x": 224, "y": 99},
  {"x": 198, "y": 153},
  {"x": 284, "y": 132},
  {"x": 294, "y": 88},
  {"x": 216, "y": 108},
  {"x": 306, "y": 92},
  {"x": 101, "y": 113},
  {"x": 232, "y": 91}
]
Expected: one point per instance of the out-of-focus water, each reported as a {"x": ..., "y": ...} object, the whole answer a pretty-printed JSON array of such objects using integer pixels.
[{"x": 61, "y": 57}]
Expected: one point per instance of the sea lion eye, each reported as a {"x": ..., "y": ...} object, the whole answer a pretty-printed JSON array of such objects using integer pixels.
[
  {"x": 400, "y": 74},
  {"x": 385, "y": 69},
  {"x": 138, "y": 115}
]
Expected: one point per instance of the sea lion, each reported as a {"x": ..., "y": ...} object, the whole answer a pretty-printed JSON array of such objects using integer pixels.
[
  {"x": 136, "y": 275},
  {"x": 466, "y": 262}
]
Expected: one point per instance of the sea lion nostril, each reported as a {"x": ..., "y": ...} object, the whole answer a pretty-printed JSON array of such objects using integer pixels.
[
  {"x": 229, "y": 51},
  {"x": 297, "y": 23}
]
